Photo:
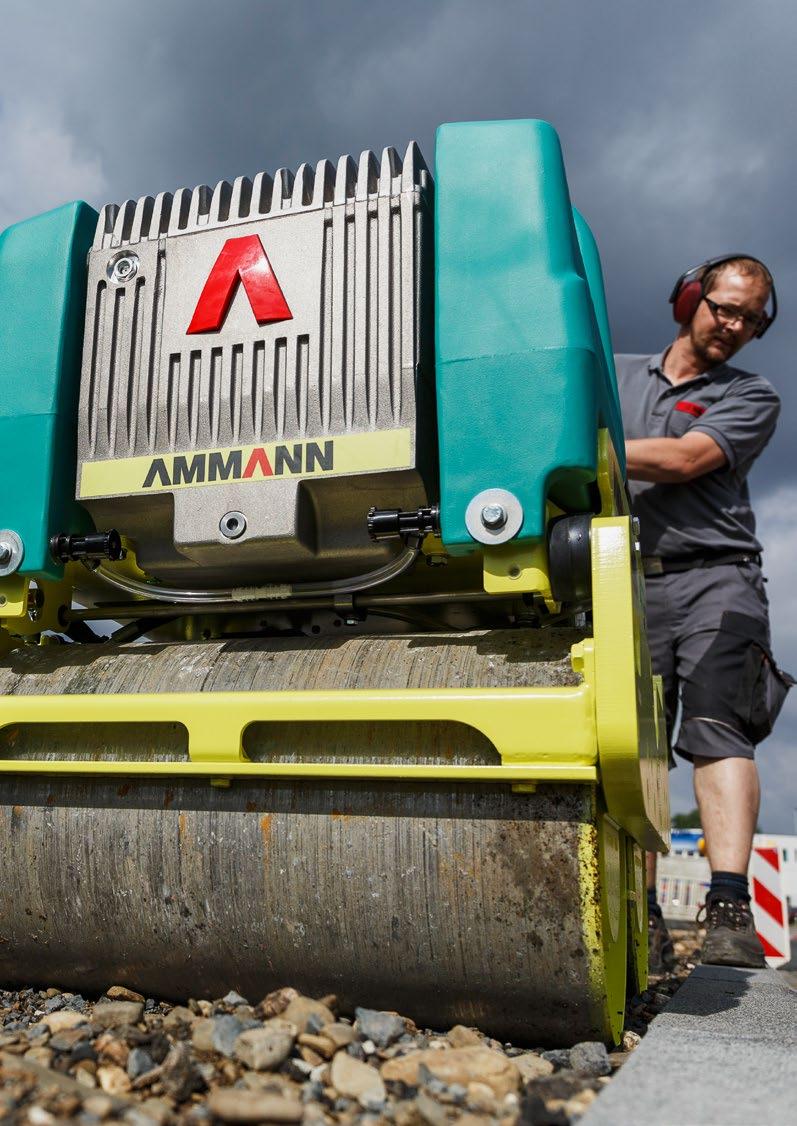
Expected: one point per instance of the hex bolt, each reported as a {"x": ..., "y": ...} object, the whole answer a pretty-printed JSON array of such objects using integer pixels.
[
  {"x": 6, "y": 551},
  {"x": 493, "y": 516}
]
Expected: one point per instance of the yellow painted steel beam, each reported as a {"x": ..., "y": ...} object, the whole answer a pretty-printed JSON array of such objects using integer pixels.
[
  {"x": 535, "y": 773},
  {"x": 541, "y": 734},
  {"x": 602, "y": 890},
  {"x": 631, "y": 731},
  {"x": 611, "y": 485}
]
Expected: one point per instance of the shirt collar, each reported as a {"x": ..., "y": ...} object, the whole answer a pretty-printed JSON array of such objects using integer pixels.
[{"x": 655, "y": 367}]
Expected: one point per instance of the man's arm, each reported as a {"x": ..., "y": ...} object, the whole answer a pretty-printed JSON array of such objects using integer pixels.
[{"x": 673, "y": 461}]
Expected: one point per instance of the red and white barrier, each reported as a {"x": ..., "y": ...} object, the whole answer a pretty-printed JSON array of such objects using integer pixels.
[{"x": 769, "y": 905}]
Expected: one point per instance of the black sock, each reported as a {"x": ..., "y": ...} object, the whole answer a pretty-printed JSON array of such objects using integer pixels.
[
  {"x": 653, "y": 904},
  {"x": 730, "y": 885}
]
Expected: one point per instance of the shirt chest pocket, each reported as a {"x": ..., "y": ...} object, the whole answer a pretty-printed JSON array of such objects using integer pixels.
[{"x": 683, "y": 416}]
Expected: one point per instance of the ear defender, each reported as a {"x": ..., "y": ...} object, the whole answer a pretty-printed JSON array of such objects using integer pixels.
[
  {"x": 686, "y": 297},
  {"x": 687, "y": 293}
]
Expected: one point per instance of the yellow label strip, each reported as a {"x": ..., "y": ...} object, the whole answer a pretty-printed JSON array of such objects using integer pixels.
[{"x": 328, "y": 456}]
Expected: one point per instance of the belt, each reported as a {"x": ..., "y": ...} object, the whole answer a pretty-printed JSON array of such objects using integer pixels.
[{"x": 656, "y": 565}]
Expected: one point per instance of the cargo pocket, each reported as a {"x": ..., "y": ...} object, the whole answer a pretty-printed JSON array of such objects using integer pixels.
[
  {"x": 736, "y": 680},
  {"x": 763, "y": 689}
]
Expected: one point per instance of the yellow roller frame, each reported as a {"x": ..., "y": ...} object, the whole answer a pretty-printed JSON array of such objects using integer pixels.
[
  {"x": 636, "y": 895},
  {"x": 606, "y": 726},
  {"x": 602, "y": 891}
]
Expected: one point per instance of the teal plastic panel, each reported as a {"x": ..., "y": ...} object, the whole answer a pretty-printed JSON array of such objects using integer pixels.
[
  {"x": 609, "y": 398},
  {"x": 524, "y": 375},
  {"x": 42, "y": 306}
]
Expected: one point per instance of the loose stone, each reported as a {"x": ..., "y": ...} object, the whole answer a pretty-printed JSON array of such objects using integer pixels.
[
  {"x": 276, "y": 1003},
  {"x": 122, "y": 993},
  {"x": 42, "y": 1056},
  {"x": 559, "y": 1057},
  {"x": 457, "y": 1065},
  {"x": 462, "y": 1037},
  {"x": 202, "y": 1034},
  {"x": 113, "y": 1080},
  {"x": 380, "y": 1027},
  {"x": 38, "y": 1116},
  {"x": 139, "y": 1062},
  {"x": 178, "y": 1016},
  {"x": 576, "y": 1105},
  {"x": 232, "y": 999},
  {"x": 179, "y": 1073},
  {"x": 339, "y": 1034},
  {"x": 233, "y": 1105},
  {"x": 224, "y": 1032},
  {"x": 157, "y": 1109},
  {"x": 84, "y": 1074},
  {"x": 302, "y": 1010},
  {"x": 356, "y": 1080},
  {"x": 590, "y": 1058},
  {"x": 297, "y": 1069},
  {"x": 113, "y": 1049},
  {"x": 112, "y": 1014},
  {"x": 480, "y": 1097},
  {"x": 100, "y": 1106},
  {"x": 264, "y": 1049},
  {"x": 319, "y": 1044},
  {"x": 65, "y": 1041},
  {"x": 63, "y": 1020},
  {"x": 532, "y": 1066},
  {"x": 431, "y": 1111}
]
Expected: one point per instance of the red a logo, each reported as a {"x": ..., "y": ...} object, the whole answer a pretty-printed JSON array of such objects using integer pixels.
[{"x": 241, "y": 260}]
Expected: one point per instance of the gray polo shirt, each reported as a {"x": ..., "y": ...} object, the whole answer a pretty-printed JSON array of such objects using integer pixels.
[{"x": 738, "y": 410}]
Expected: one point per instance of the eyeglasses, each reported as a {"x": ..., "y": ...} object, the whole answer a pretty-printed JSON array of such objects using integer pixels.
[{"x": 727, "y": 314}]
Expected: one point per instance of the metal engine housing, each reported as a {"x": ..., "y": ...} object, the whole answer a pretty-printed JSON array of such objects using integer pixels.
[{"x": 194, "y": 412}]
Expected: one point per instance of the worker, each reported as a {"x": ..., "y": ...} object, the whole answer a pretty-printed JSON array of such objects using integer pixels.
[{"x": 694, "y": 427}]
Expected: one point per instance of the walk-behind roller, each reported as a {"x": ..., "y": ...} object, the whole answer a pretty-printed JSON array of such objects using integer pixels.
[{"x": 376, "y": 714}]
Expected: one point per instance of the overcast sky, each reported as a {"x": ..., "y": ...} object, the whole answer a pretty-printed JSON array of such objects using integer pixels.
[{"x": 677, "y": 122}]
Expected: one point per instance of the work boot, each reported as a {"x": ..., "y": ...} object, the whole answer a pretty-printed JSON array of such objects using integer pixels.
[
  {"x": 661, "y": 955},
  {"x": 730, "y": 939}
]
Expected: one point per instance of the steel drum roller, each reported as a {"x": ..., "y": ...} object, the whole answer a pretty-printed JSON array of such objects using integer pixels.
[{"x": 468, "y": 895}]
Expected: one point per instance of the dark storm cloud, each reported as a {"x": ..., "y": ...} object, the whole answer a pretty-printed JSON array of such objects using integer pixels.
[
  {"x": 674, "y": 118},
  {"x": 676, "y": 121}
]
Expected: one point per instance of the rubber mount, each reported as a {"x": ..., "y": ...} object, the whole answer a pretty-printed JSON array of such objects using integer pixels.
[{"x": 569, "y": 558}]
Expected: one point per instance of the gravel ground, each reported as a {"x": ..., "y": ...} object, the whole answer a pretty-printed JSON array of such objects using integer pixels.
[{"x": 287, "y": 1059}]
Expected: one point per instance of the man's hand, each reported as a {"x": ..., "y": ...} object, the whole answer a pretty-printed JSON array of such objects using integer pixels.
[{"x": 673, "y": 461}]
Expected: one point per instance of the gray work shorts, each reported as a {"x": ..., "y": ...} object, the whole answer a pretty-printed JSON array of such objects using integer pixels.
[{"x": 708, "y": 631}]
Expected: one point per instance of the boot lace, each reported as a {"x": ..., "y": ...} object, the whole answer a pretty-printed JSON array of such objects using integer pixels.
[{"x": 731, "y": 913}]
